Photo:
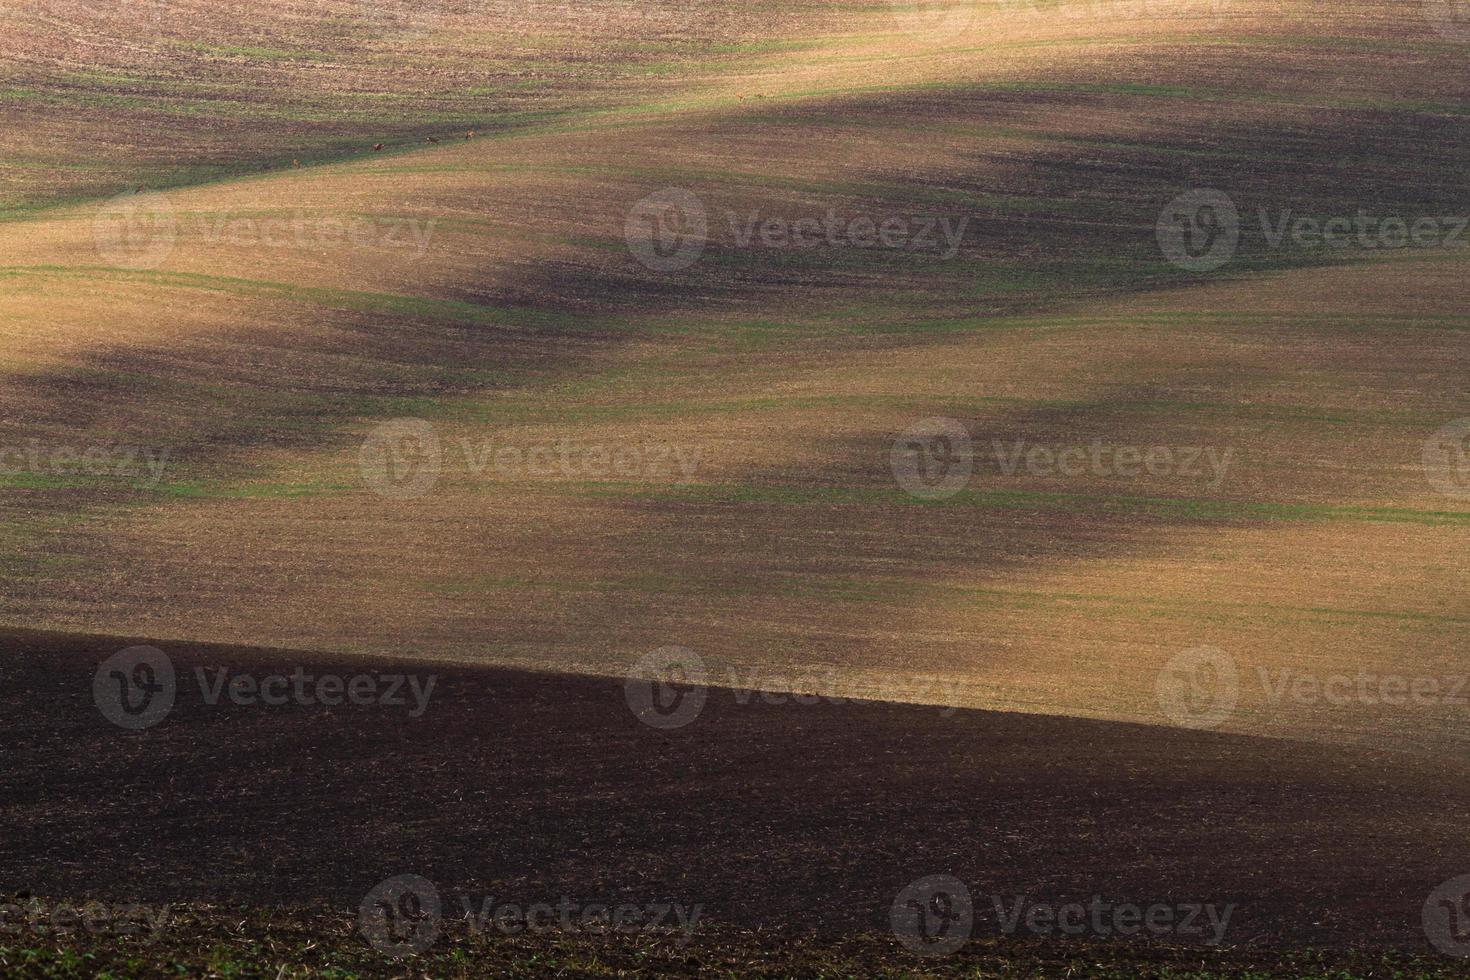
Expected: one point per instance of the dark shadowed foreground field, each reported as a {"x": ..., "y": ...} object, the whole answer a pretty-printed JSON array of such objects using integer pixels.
[{"x": 272, "y": 824}]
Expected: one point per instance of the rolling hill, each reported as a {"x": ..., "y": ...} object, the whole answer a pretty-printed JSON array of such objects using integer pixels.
[{"x": 1101, "y": 361}]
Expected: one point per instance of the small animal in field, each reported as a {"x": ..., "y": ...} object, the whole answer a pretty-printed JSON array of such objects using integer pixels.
[
  {"x": 377, "y": 147},
  {"x": 296, "y": 163},
  {"x": 139, "y": 190},
  {"x": 431, "y": 139},
  {"x": 469, "y": 134}
]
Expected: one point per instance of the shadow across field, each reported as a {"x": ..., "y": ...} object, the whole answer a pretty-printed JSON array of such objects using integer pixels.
[{"x": 534, "y": 787}]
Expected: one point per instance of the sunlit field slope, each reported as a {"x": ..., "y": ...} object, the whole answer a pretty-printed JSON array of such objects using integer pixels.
[{"x": 481, "y": 399}]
